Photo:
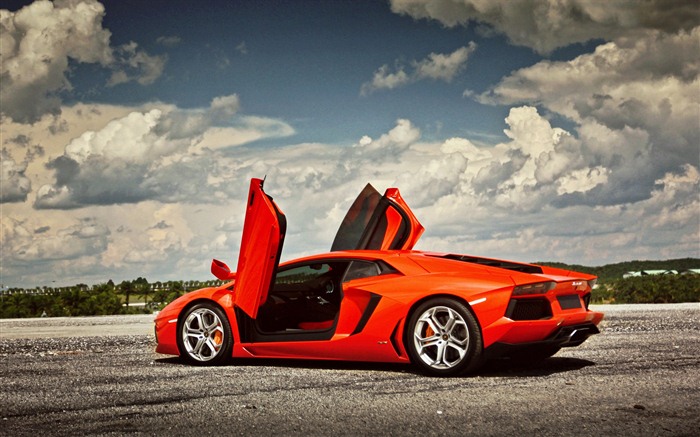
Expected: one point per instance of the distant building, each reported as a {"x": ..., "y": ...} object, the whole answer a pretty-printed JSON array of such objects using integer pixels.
[{"x": 660, "y": 272}]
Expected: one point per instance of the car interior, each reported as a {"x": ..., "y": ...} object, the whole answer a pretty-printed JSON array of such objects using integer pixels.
[{"x": 307, "y": 297}]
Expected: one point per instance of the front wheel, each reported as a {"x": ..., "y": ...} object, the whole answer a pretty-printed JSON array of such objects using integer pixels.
[
  {"x": 443, "y": 338},
  {"x": 204, "y": 335}
]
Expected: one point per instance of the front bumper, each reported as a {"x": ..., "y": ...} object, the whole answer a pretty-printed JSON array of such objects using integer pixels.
[{"x": 166, "y": 335}]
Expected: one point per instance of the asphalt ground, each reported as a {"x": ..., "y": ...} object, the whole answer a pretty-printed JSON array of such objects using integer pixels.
[{"x": 100, "y": 376}]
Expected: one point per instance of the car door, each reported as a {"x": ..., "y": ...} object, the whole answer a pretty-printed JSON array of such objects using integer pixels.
[
  {"x": 376, "y": 222},
  {"x": 261, "y": 245}
]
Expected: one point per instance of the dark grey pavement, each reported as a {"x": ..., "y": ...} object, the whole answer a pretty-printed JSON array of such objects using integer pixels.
[{"x": 100, "y": 376}]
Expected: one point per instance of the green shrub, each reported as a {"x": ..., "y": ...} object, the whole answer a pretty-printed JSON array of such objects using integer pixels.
[{"x": 655, "y": 289}]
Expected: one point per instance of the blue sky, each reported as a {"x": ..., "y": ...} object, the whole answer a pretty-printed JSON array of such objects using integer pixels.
[
  {"x": 305, "y": 62},
  {"x": 531, "y": 130}
]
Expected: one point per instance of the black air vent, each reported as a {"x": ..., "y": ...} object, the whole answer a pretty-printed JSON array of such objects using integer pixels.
[
  {"x": 508, "y": 265},
  {"x": 569, "y": 302},
  {"x": 529, "y": 309}
]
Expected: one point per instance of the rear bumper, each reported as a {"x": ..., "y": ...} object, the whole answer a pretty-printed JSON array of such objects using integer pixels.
[
  {"x": 570, "y": 336},
  {"x": 565, "y": 336}
]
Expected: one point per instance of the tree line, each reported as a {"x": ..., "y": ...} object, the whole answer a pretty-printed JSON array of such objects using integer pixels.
[
  {"x": 128, "y": 297},
  {"x": 612, "y": 272},
  {"x": 649, "y": 289}
]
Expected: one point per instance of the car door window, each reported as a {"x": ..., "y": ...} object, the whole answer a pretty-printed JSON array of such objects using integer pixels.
[
  {"x": 376, "y": 222},
  {"x": 297, "y": 277},
  {"x": 356, "y": 220},
  {"x": 361, "y": 269},
  {"x": 391, "y": 229}
]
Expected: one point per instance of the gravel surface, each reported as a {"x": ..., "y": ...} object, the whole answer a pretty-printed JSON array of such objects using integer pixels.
[
  {"x": 639, "y": 377},
  {"x": 56, "y": 327}
]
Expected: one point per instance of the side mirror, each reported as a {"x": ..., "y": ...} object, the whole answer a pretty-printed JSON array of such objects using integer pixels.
[{"x": 221, "y": 270}]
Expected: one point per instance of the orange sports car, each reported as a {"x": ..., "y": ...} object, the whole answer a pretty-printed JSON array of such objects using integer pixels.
[{"x": 372, "y": 298}]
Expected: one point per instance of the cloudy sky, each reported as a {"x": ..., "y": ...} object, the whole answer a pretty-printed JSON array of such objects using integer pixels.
[{"x": 564, "y": 130}]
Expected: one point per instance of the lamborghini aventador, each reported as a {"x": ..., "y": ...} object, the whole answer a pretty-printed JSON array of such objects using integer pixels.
[{"x": 373, "y": 298}]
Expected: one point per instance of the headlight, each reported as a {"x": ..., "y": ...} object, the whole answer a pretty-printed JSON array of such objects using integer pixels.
[
  {"x": 592, "y": 282},
  {"x": 537, "y": 288}
]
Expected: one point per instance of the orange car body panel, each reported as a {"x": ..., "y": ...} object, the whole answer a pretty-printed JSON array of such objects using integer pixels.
[
  {"x": 415, "y": 226},
  {"x": 260, "y": 247}
]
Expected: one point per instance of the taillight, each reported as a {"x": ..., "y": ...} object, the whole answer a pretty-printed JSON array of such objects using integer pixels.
[{"x": 537, "y": 288}]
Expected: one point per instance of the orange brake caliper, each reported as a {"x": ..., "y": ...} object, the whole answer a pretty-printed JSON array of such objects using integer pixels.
[{"x": 217, "y": 337}]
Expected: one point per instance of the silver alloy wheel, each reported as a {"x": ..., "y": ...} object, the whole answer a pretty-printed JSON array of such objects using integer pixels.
[
  {"x": 441, "y": 337},
  {"x": 203, "y": 334}
]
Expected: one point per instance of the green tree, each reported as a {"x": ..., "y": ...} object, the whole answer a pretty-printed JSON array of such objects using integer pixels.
[
  {"x": 143, "y": 289},
  {"x": 656, "y": 289},
  {"x": 102, "y": 299},
  {"x": 127, "y": 289}
]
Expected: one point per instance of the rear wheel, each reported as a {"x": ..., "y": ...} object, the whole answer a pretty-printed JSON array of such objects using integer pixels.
[
  {"x": 443, "y": 338},
  {"x": 204, "y": 335}
]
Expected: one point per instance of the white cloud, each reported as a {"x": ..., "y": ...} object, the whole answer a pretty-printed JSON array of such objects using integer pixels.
[
  {"x": 242, "y": 48},
  {"x": 36, "y": 44},
  {"x": 247, "y": 129},
  {"x": 84, "y": 238},
  {"x": 653, "y": 71},
  {"x": 389, "y": 144},
  {"x": 14, "y": 184},
  {"x": 545, "y": 25},
  {"x": 674, "y": 201},
  {"x": 517, "y": 199},
  {"x": 160, "y": 153},
  {"x": 436, "y": 66},
  {"x": 636, "y": 104},
  {"x": 384, "y": 79},
  {"x": 225, "y": 107},
  {"x": 169, "y": 41},
  {"x": 444, "y": 173},
  {"x": 634, "y": 100},
  {"x": 445, "y": 67},
  {"x": 129, "y": 138},
  {"x": 136, "y": 65},
  {"x": 170, "y": 235},
  {"x": 582, "y": 180}
]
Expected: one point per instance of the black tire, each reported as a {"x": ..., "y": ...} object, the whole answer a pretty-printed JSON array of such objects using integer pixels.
[
  {"x": 443, "y": 338},
  {"x": 204, "y": 335}
]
